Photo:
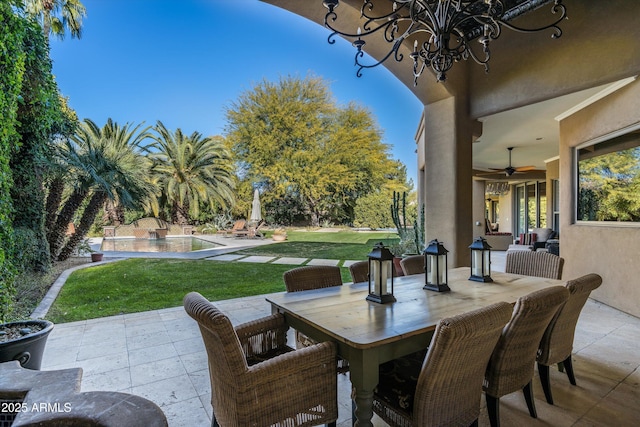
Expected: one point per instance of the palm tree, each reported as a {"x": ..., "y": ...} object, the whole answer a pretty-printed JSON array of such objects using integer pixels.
[
  {"x": 107, "y": 165},
  {"x": 56, "y": 16},
  {"x": 191, "y": 171}
]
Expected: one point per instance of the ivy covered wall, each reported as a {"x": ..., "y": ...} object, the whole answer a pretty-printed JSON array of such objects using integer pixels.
[{"x": 31, "y": 116}]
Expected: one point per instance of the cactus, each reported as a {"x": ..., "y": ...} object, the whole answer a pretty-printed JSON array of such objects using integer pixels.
[{"x": 399, "y": 215}]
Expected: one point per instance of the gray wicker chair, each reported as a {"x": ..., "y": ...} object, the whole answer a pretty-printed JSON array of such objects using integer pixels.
[
  {"x": 256, "y": 380},
  {"x": 539, "y": 264},
  {"x": 445, "y": 387},
  {"x": 557, "y": 342},
  {"x": 512, "y": 363},
  {"x": 359, "y": 271},
  {"x": 313, "y": 277},
  {"x": 413, "y": 264}
]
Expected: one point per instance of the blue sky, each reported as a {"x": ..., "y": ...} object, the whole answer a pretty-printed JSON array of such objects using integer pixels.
[{"x": 184, "y": 62}]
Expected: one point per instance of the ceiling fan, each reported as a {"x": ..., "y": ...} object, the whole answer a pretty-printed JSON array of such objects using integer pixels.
[{"x": 510, "y": 170}]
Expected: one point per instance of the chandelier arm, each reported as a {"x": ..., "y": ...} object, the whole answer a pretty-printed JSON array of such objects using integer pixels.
[
  {"x": 557, "y": 32},
  {"x": 360, "y": 54}
]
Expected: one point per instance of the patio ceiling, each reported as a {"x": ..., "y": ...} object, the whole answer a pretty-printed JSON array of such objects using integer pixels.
[{"x": 533, "y": 130}]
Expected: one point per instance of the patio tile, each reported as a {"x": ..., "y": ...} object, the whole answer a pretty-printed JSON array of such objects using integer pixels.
[
  {"x": 195, "y": 362},
  {"x": 102, "y": 364},
  {"x": 189, "y": 412},
  {"x": 147, "y": 340},
  {"x": 226, "y": 257},
  {"x": 167, "y": 391},
  {"x": 103, "y": 348},
  {"x": 323, "y": 262},
  {"x": 117, "y": 380},
  {"x": 151, "y": 372},
  {"x": 188, "y": 346},
  {"x": 151, "y": 354},
  {"x": 290, "y": 260},
  {"x": 257, "y": 258}
]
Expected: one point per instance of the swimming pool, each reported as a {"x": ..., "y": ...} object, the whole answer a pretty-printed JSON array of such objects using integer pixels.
[{"x": 169, "y": 244}]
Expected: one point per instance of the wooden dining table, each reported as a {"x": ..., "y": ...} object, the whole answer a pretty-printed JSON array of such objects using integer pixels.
[{"x": 368, "y": 334}]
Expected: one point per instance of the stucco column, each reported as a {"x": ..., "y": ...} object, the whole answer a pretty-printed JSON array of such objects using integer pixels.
[{"x": 447, "y": 187}]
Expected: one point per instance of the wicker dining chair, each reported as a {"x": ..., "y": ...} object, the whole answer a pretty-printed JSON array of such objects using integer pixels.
[
  {"x": 512, "y": 363},
  {"x": 444, "y": 387},
  {"x": 557, "y": 342},
  {"x": 539, "y": 264},
  {"x": 413, "y": 264},
  {"x": 256, "y": 379},
  {"x": 359, "y": 271},
  {"x": 313, "y": 277}
]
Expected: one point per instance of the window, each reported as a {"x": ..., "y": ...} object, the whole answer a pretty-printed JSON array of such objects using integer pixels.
[
  {"x": 609, "y": 180},
  {"x": 556, "y": 206}
]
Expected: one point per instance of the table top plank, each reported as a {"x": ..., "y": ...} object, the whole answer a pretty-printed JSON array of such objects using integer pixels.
[{"x": 343, "y": 313}]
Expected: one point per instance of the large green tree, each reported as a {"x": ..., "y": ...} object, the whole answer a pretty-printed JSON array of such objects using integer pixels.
[
  {"x": 190, "y": 171},
  {"x": 57, "y": 16},
  {"x": 292, "y": 140}
]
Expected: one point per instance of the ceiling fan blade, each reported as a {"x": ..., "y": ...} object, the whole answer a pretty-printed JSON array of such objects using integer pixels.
[{"x": 525, "y": 168}]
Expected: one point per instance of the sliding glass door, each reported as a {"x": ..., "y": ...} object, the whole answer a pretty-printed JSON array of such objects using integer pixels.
[{"x": 530, "y": 206}]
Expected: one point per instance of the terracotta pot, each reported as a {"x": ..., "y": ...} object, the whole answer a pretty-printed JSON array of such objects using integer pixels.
[
  {"x": 279, "y": 237},
  {"x": 96, "y": 257},
  {"x": 397, "y": 267},
  {"x": 29, "y": 348}
]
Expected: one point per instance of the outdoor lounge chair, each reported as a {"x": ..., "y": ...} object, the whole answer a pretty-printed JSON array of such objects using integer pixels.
[
  {"x": 445, "y": 387},
  {"x": 256, "y": 379},
  {"x": 557, "y": 342},
  {"x": 512, "y": 363},
  {"x": 238, "y": 225}
]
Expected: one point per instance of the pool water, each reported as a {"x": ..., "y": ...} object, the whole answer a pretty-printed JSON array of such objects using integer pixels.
[{"x": 169, "y": 244}]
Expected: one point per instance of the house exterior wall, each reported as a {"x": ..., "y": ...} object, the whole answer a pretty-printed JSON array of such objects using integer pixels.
[{"x": 610, "y": 250}]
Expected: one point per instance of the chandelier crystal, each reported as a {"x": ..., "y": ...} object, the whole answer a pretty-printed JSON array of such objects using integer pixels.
[
  {"x": 441, "y": 30},
  {"x": 497, "y": 188}
]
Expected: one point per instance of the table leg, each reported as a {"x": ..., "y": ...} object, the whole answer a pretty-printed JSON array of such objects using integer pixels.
[
  {"x": 363, "y": 371},
  {"x": 363, "y": 410}
]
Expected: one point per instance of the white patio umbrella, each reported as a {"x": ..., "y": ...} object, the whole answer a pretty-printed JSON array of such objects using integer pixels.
[{"x": 256, "y": 215}]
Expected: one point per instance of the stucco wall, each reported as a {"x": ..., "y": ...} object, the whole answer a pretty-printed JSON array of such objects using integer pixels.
[{"x": 609, "y": 250}]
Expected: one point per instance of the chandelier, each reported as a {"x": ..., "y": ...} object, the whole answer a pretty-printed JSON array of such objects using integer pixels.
[
  {"x": 500, "y": 188},
  {"x": 441, "y": 30}
]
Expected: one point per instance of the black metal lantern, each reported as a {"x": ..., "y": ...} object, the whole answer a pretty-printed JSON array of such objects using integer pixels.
[
  {"x": 436, "y": 277},
  {"x": 480, "y": 260},
  {"x": 381, "y": 275}
]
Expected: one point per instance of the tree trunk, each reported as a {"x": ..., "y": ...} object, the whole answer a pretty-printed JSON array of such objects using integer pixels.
[
  {"x": 64, "y": 218},
  {"x": 88, "y": 217},
  {"x": 54, "y": 198},
  {"x": 180, "y": 214}
]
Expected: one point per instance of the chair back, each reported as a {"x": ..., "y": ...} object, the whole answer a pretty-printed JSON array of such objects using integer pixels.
[
  {"x": 227, "y": 363},
  {"x": 413, "y": 264},
  {"x": 359, "y": 271},
  {"x": 312, "y": 277},
  {"x": 449, "y": 387},
  {"x": 557, "y": 341},
  {"x": 539, "y": 264},
  {"x": 512, "y": 363}
]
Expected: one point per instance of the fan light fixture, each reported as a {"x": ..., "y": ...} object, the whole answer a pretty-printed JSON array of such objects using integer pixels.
[{"x": 440, "y": 30}]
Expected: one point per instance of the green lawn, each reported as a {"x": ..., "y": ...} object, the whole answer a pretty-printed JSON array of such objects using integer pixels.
[{"x": 139, "y": 284}]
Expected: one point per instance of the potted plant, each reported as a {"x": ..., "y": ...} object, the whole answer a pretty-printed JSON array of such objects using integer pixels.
[
  {"x": 24, "y": 341},
  {"x": 279, "y": 234},
  {"x": 85, "y": 248}
]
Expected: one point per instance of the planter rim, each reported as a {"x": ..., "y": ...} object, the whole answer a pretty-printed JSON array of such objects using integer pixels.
[{"x": 47, "y": 326}]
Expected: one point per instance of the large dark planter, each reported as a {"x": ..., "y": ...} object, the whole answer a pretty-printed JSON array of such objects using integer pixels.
[{"x": 29, "y": 348}]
